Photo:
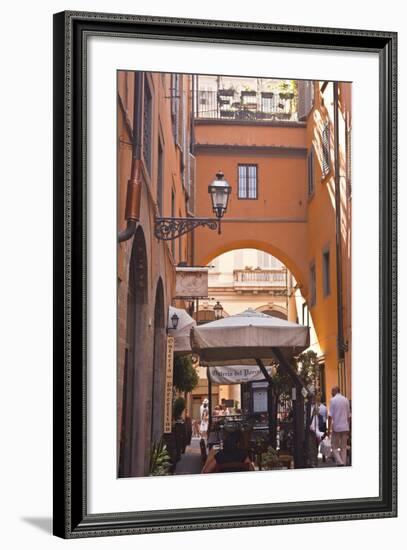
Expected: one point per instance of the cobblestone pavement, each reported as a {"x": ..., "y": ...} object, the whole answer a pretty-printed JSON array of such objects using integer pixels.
[{"x": 190, "y": 462}]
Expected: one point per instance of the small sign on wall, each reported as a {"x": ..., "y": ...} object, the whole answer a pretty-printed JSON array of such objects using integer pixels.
[
  {"x": 191, "y": 282},
  {"x": 169, "y": 367}
]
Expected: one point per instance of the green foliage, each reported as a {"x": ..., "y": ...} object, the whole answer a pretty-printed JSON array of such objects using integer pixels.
[
  {"x": 178, "y": 407},
  {"x": 269, "y": 458},
  {"x": 159, "y": 459},
  {"x": 307, "y": 367},
  {"x": 309, "y": 371},
  {"x": 185, "y": 376}
]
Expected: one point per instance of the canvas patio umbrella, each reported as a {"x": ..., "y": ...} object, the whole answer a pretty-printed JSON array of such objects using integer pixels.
[
  {"x": 247, "y": 336},
  {"x": 252, "y": 337},
  {"x": 182, "y": 341}
]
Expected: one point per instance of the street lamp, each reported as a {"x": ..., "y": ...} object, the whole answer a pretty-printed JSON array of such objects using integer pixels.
[
  {"x": 218, "y": 309},
  {"x": 168, "y": 229},
  {"x": 174, "y": 321},
  {"x": 219, "y": 191}
]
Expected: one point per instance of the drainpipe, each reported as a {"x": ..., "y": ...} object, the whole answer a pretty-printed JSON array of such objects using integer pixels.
[
  {"x": 133, "y": 197},
  {"x": 342, "y": 347}
]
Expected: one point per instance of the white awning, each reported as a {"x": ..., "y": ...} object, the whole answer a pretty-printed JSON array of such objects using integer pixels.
[
  {"x": 182, "y": 341},
  {"x": 241, "y": 338}
]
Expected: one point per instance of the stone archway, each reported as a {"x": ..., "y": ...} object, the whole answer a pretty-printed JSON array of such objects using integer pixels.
[
  {"x": 215, "y": 247},
  {"x": 131, "y": 461},
  {"x": 274, "y": 310},
  {"x": 158, "y": 374}
]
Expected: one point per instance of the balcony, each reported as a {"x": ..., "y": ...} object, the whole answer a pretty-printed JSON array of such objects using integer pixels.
[
  {"x": 259, "y": 278},
  {"x": 249, "y": 105},
  {"x": 252, "y": 281}
]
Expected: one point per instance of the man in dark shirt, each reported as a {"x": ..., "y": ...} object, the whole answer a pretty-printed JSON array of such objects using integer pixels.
[{"x": 230, "y": 454}]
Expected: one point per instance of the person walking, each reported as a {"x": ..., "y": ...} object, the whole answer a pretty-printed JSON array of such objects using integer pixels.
[
  {"x": 204, "y": 421},
  {"x": 188, "y": 430},
  {"x": 323, "y": 412},
  {"x": 315, "y": 435},
  {"x": 338, "y": 425},
  {"x": 323, "y": 418}
]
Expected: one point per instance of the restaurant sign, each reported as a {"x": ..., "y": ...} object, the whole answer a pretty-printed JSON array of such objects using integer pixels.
[
  {"x": 191, "y": 282},
  {"x": 237, "y": 374},
  {"x": 169, "y": 367}
]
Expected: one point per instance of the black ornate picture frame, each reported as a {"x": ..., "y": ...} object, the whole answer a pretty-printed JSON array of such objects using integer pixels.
[{"x": 71, "y": 517}]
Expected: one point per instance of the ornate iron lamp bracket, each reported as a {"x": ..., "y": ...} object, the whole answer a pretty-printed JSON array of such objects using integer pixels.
[{"x": 167, "y": 229}]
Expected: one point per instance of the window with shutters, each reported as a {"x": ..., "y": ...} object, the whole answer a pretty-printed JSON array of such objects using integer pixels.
[
  {"x": 172, "y": 216},
  {"x": 311, "y": 184},
  {"x": 326, "y": 151},
  {"x": 348, "y": 163},
  {"x": 247, "y": 181},
  {"x": 147, "y": 126},
  {"x": 305, "y": 98},
  {"x": 175, "y": 105},
  {"x": 326, "y": 272},
  {"x": 160, "y": 178},
  {"x": 313, "y": 284},
  {"x": 192, "y": 170}
]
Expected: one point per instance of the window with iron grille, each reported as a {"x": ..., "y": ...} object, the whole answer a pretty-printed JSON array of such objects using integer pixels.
[
  {"x": 147, "y": 126},
  {"x": 326, "y": 156},
  {"x": 313, "y": 284},
  {"x": 310, "y": 167},
  {"x": 247, "y": 181}
]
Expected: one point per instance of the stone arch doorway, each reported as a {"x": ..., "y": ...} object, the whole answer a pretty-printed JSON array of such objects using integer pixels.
[
  {"x": 131, "y": 462},
  {"x": 158, "y": 374}
]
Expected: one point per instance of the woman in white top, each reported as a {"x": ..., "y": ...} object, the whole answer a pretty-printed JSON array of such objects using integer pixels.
[{"x": 204, "y": 420}]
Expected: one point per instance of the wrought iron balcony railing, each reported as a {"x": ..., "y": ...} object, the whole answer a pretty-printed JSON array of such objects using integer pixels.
[{"x": 246, "y": 105}]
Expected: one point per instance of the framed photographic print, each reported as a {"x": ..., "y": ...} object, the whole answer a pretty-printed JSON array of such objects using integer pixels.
[{"x": 224, "y": 274}]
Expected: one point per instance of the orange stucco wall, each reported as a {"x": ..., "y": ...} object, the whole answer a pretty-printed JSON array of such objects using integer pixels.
[
  {"x": 284, "y": 220},
  {"x": 161, "y": 256},
  {"x": 276, "y": 221}
]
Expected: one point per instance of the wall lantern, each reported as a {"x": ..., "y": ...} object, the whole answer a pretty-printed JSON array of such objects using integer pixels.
[
  {"x": 219, "y": 191},
  {"x": 218, "y": 309},
  {"x": 174, "y": 321},
  {"x": 168, "y": 229}
]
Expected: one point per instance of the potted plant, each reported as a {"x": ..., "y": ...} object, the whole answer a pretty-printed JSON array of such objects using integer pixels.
[
  {"x": 179, "y": 426},
  {"x": 226, "y": 92},
  {"x": 286, "y": 91},
  {"x": 185, "y": 376},
  {"x": 270, "y": 459},
  {"x": 160, "y": 462}
]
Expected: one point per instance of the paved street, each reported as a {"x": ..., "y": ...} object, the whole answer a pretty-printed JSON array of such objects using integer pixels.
[{"x": 190, "y": 462}]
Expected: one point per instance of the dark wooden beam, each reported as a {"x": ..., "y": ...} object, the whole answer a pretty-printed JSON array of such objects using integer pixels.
[
  {"x": 300, "y": 440},
  {"x": 208, "y": 374},
  {"x": 272, "y": 419}
]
